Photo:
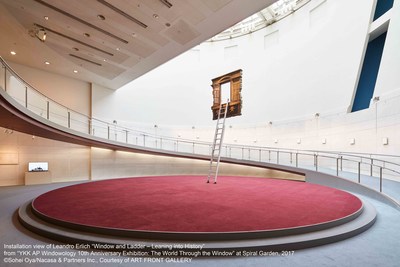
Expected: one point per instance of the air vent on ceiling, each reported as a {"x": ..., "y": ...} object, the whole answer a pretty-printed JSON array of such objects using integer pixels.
[
  {"x": 81, "y": 21},
  {"x": 166, "y": 3},
  {"x": 84, "y": 59},
  {"x": 73, "y": 39},
  {"x": 122, "y": 13}
]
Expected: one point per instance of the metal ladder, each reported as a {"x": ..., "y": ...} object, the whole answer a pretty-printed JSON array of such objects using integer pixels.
[{"x": 217, "y": 144}]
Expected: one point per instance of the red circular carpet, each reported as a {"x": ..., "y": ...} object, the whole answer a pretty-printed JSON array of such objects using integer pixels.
[{"x": 189, "y": 204}]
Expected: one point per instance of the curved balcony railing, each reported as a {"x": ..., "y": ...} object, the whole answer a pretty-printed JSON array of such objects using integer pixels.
[{"x": 377, "y": 171}]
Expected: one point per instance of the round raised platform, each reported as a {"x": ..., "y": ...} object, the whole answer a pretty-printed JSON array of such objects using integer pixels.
[{"x": 258, "y": 211}]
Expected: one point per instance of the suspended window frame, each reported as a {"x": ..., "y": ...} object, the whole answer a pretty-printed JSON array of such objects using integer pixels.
[{"x": 235, "y": 101}]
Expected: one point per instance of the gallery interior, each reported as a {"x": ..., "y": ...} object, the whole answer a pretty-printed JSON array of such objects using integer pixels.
[{"x": 200, "y": 132}]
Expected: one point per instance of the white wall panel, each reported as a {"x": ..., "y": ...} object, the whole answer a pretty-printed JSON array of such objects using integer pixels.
[{"x": 303, "y": 64}]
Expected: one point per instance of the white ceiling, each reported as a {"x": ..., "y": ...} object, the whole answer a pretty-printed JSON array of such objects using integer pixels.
[{"x": 135, "y": 37}]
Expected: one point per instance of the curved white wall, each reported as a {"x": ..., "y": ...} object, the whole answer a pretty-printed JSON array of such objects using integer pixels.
[{"x": 307, "y": 63}]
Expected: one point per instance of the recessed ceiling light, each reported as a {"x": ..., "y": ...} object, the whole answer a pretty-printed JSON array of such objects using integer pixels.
[
  {"x": 101, "y": 17},
  {"x": 47, "y": 63},
  {"x": 155, "y": 16},
  {"x": 75, "y": 71},
  {"x": 13, "y": 53},
  {"x": 86, "y": 34},
  {"x": 46, "y": 17}
]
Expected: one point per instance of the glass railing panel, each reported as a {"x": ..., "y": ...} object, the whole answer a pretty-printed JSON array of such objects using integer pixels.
[
  {"x": 348, "y": 165},
  {"x": 79, "y": 122},
  {"x": 99, "y": 129},
  {"x": 143, "y": 140},
  {"x": 246, "y": 153},
  {"x": 37, "y": 103},
  {"x": 167, "y": 144},
  {"x": 236, "y": 152},
  {"x": 2, "y": 80},
  {"x": 327, "y": 162},
  {"x": 122, "y": 136},
  {"x": 16, "y": 89},
  {"x": 306, "y": 160},
  {"x": 119, "y": 135},
  {"x": 365, "y": 179},
  {"x": 157, "y": 142},
  {"x": 185, "y": 146},
  {"x": 150, "y": 141},
  {"x": 161, "y": 143},
  {"x": 133, "y": 138},
  {"x": 285, "y": 158},
  {"x": 202, "y": 149},
  {"x": 113, "y": 136},
  {"x": 391, "y": 187},
  {"x": 58, "y": 114}
]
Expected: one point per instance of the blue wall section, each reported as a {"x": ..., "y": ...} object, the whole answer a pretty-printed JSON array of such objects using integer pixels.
[
  {"x": 369, "y": 73},
  {"x": 381, "y": 7}
]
